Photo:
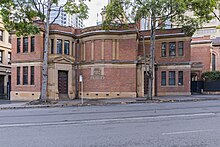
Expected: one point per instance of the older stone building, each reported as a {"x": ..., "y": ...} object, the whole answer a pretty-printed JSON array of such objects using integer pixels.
[
  {"x": 5, "y": 61},
  {"x": 110, "y": 62}
]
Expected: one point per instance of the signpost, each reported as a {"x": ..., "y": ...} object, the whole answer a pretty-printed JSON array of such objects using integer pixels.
[{"x": 81, "y": 81}]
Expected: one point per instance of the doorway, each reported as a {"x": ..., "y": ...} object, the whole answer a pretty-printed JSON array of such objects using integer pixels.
[{"x": 63, "y": 84}]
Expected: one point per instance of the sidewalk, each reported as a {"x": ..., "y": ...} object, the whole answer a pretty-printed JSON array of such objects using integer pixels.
[{"x": 6, "y": 104}]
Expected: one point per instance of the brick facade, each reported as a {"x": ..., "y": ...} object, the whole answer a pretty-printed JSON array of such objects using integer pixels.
[{"x": 111, "y": 64}]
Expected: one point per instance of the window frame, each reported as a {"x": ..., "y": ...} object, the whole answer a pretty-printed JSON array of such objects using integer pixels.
[
  {"x": 1, "y": 35},
  {"x": 172, "y": 76},
  {"x": 18, "y": 75},
  {"x": 1, "y": 56},
  {"x": 180, "y": 78},
  {"x": 163, "y": 50},
  {"x": 213, "y": 62},
  {"x": 180, "y": 48},
  {"x": 25, "y": 75},
  {"x": 52, "y": 46},
  {"x": 18, "y": 45},
  {"x": 163, "y": 78},
  {"x": 9, "y": 57},
  {"x": 172, "y": 51},
  {"x": 25, "y": 44},
  {"x": 66, "y": 50},
  {"x": 32, "y": 44},
  {"x": 32, "y": 75},
  {"x": 60, "y": 49}
]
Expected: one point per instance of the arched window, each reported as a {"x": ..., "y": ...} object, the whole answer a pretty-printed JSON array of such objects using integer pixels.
[{"x": 213, "y": 62}]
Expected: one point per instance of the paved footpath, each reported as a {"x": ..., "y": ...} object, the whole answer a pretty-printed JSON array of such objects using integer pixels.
[{"x": 6, "y": 104}]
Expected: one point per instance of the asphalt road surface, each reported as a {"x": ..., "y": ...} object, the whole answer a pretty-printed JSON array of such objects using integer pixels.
[{"x": 191, "y": 124}]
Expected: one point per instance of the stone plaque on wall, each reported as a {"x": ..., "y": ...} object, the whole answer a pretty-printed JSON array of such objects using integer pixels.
[{"x": 97, "y": 73}]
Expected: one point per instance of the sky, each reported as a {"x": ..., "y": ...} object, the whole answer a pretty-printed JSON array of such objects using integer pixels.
[{"x": 95, "y": 7}]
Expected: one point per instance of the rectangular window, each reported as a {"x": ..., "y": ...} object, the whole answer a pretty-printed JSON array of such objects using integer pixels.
[
  {"x": 32, "y": 75},
  {"x": 59, "y": 46},
  {"x": 180, "y": 78},
  {"x": 9, "y": 39},
  {"x": 25, "y": 44},
  {"x": 1, "y": 35},
  {"x": 172, "y": 49},
  {"x": 172, "y": 80},
  {"x": 25, "y": 75},
  {"x": 32, "y": 44},
  {"x": 51, "y": 45},
  {"x": 9, "y": 58},
  {"x": 18, "y": 45},
  {"x": 163, "y": 78},
  {"x": 18, "y": 76},
  {"x": 66, "y": 47},
  {"x": 163, "y": 49},
  {"x": 180, "y": 48},
  {"x": 1, "y": 56},
  {"x": 73, "y": 49}
]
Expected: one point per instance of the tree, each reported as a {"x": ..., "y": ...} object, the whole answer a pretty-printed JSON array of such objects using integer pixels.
[
  {"x": 20, "y": 16},
  {"x": 159, "y": 12}
]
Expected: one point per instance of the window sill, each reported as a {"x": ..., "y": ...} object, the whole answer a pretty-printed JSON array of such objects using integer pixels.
[{"x": 173, "y": 57}]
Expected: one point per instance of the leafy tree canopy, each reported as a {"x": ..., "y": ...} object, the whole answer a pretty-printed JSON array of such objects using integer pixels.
[
  {"x": 19, "y": 15},
  {"x": 124, "y": 11}
]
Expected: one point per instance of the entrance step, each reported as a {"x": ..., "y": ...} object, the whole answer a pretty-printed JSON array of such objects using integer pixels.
[{"x": 64, "y": 96}]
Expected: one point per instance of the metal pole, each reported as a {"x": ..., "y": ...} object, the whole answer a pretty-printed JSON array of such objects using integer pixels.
[{"x": 82, "y": 92}]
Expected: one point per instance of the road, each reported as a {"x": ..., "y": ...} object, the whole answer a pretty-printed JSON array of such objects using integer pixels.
[{"x": 191, "y": 124}]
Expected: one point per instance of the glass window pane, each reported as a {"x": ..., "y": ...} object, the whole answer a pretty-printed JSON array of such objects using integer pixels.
[
  {"x": 213, "y": 62},
  {"x": 32, "y": 75},
  {"x": 18, "y": 76},
  {"x": 59, "y": 46},
  {"x": 180, "y": 78},
  {"x": 180, "y": 48},
  {"x": 18, "y": 45},
  {"x": 1, "y": 56},
  {"x": 9, "y": 58},
  {"x": 1, "y": 35},
  {"x": 66, "y": 47},
  {"x": 172, "y": 78},
  {"x": 25, "y": 75},
  {"x": 25, "y": 44},
  {"x": 32, "y": 44},
  {"x": 52, "y": 46},
  {"x": 172, "y": 49},
  {"x": 163, "y": 78},
  {"x": 163, "y": 50}
]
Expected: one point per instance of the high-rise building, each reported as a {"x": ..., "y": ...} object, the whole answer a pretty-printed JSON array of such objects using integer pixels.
[{"x": 65, "y": 19}]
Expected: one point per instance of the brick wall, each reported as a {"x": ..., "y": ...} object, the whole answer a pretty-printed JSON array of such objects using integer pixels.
[
  {"x": 115, "y": 80},
  {"x": 127, "y": 49},
  {"x": 201, "y": 52},
  {"x": 108, "y": 49},
  {"x": 32, "y": 88},
  {"x": 37, "y": 55},
  {"x": 173, "y": 89}
]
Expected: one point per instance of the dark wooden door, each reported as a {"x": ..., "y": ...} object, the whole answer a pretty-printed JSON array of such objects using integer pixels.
[
  {"x": 1, "y": 85},
  {"x": 63, "y": 82},
  {"x": 145, "y": 83}
]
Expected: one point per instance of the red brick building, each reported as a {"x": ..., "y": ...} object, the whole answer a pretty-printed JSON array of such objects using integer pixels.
[
  {"x": 110, "y": 62},
  {"x": 205, "y": 51}
]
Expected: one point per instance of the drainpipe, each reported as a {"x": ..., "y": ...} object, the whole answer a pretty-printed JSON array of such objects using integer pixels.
[{"x": 77, "y": 69}]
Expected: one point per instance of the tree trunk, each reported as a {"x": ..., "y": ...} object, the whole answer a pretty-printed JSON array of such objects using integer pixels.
[
  {"x": 43, "y": 97},
  {"x": 152, "y": 56}
]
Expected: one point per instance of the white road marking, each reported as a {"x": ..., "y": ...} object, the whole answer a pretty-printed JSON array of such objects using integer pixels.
[
  {"x": 102, "y": 120},
  {"x": 186, "y": 132}
]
